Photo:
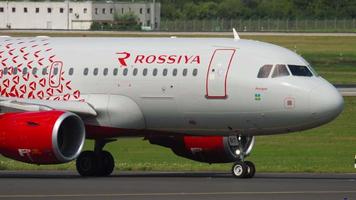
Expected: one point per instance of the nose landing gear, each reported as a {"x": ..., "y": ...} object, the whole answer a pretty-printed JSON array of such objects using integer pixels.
[
  {"x": 242, "y": 168},
  {"x": 97, "y": 162}
]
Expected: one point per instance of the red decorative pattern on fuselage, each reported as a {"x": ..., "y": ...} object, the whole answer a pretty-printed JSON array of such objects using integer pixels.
[{"x": 29, "y": 68}]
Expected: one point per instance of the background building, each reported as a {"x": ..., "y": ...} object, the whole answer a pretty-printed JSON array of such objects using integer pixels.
[{"x": 71, "y": 15}]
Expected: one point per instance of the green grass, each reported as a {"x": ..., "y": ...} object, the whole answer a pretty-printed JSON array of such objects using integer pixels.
[{"x": 330, "y": 148}]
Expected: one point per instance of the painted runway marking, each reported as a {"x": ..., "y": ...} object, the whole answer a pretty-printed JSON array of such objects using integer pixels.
[{"x": 173, "y": 194}]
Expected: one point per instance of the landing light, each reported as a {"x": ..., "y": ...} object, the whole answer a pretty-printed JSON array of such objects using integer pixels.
[{"x": 238, "y": 152}]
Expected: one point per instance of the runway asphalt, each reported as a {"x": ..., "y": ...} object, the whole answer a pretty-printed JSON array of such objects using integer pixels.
[
  {"x": 160, "y": 185},
  {"x": 347, "y": 89}
]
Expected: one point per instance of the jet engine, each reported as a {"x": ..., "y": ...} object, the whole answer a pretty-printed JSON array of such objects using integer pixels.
[
  {"x": 208, "y": 149},
  {"x": 45, "y": 137}
]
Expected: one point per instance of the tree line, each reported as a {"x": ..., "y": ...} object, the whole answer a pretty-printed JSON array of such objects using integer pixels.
[{"x": 247, "y": 9}]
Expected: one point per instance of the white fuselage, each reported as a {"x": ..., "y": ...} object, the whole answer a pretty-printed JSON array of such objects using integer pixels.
[{"x": 189, "y": 86}]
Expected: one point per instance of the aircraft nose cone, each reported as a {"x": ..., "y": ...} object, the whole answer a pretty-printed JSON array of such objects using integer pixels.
[{"x": 326, "y": 103}]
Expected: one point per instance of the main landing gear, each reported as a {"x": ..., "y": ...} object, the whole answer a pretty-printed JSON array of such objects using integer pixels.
[
  {"x": 242, "y": 168},
  {"x": 97, "y": 162}
]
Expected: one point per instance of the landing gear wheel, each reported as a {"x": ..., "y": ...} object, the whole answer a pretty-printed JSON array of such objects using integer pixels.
[
  {"x": 97, "y": 162},
  {"x": 106, "y": 164},
  {"x": 239, "y": 169},
  {"x": 251, "y": 169},
  {"x": 87, "y": 163}
]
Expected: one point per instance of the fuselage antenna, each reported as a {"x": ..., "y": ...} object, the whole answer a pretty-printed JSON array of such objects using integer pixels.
[{"x": 236, "y": 35}]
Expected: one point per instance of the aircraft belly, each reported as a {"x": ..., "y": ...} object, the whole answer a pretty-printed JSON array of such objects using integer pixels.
[{"x": 161, "y": 112}]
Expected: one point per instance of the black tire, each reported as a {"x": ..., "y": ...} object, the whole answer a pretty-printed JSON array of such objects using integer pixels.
[
  {"x": 106, "y": 164},
  {"x": 251, "y": 169},
  {"x": 239, "y": 169},
  {"x": 87, "y": 163}
]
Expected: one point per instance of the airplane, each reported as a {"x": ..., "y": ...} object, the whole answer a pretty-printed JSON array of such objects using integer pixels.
[{"x": 204, "y": 98}]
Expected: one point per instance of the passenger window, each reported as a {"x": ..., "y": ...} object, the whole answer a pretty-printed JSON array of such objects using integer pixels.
[
  {"x": 86, "y": 71},
  {"x": 144, "y": 72},
  {"x": 280, "y": 70},
  {"x": 96, "y": 71},
  {"x": 165, "y": 72},
  {"x": 106, "y": 71},
  {"x": 264, "y": 71},
  {"x": 185, "y": 72},
  {"x": 34, "y": 71},
  {"x": 125, "y": 72},
  {"x": 24, "y": 71},
  {"x": 44, "y": 71},
  {"x": 71, "y": 71},
  {"x": 135, "y": 71},
  {"x": 55, "y": 71},
  {"x": 195, "y": 72},
  {"x": 116, "y": 71},
  {"x": 155, "y": 71},
  {"x": 175, "y": 72},
  {"x": 298, "y": 70},
  {"x": 14, "y": 71}
]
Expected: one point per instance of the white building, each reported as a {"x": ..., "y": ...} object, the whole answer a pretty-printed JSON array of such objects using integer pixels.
[{"x": 70, "y": 15}]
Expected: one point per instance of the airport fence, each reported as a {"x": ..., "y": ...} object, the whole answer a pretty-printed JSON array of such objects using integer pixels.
[{"x": 260, "y": 25}]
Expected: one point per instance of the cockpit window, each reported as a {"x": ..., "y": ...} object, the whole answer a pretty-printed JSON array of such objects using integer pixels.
[
  {"x": 313, "y": 71},
  {"x": 280, "y": 70},
  {"x": 264, "y": 71},
  {"x": 299, "y": 70}
]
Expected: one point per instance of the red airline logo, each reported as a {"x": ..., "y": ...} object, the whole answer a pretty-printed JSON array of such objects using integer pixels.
[{"x": 124, "y": 57}]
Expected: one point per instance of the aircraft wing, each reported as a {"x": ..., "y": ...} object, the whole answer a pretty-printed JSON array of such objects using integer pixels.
[{"x": 16, "y": 104}]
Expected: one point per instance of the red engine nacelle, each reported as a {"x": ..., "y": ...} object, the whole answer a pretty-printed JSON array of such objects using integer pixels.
[
  {"x": 209, "y": 149},
  {"x": 46, "y": 137}
]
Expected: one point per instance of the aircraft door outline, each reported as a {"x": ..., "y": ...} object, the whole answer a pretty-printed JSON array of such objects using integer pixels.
[
  {"x": 218, "y": 70},
  {"x": 55, "y": 74}
]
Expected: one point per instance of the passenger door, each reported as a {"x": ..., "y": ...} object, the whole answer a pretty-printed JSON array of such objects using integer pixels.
[{"x": 217, "y": 75}]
